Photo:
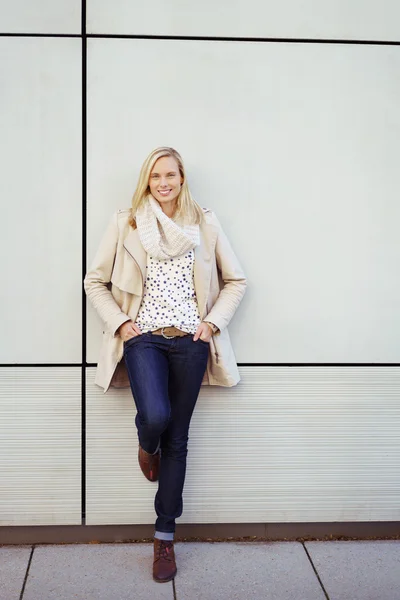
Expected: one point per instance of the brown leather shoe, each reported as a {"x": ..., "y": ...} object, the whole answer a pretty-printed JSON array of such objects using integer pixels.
[
  {"x": 149, "y": 463},
  {"x": 164, "y": 565}
]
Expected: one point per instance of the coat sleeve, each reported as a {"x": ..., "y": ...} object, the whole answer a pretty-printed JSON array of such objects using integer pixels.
[
  {"x": 234, "y": 281},
  {"x": 99, "y": 276}
]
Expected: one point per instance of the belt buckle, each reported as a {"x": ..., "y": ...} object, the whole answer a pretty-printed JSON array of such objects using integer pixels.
[{"x": 167, "y": 337}]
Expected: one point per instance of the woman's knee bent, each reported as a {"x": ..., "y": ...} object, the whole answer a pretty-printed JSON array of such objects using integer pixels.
[{"x": 154, "y": 424}]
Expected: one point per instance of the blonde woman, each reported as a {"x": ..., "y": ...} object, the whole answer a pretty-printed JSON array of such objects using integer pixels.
[{"x": 166, "y": 320}]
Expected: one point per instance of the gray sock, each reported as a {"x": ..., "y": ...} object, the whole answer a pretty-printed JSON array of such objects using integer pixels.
[{"x": 163, "y": 535}]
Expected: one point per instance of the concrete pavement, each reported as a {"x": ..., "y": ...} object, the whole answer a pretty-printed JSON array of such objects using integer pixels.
[{"x": 338, "y": 570}]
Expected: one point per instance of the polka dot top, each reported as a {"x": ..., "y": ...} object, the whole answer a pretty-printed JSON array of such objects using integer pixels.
[{"x": 169, "y": 297}]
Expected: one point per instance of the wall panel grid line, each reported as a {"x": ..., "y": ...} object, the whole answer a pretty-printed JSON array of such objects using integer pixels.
[
  {"x": 244, "y": 39},
  {"x": 277, "y": 365},
  {"x": 84, "y": 261},
  {"x": 40, "y": 365},
  {"x": 41, "y": 35},
  {"x": 206, "y": 39}
]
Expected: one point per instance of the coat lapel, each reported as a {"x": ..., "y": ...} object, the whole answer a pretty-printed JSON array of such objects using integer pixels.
[{"x": 134, "y": 247}]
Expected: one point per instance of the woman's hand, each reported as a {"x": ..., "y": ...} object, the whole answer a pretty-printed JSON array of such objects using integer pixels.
[
  {"x": 204, "y": 332},
  {"x": 128, "y": 330}
]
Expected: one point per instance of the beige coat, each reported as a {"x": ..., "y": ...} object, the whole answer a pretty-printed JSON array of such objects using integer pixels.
[{"x": 114, "y": 285}]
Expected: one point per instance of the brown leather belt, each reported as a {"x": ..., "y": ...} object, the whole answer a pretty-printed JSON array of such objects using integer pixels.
[{"x": 170, "y": 332}]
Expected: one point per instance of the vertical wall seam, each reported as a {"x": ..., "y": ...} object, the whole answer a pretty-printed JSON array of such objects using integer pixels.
[{"x": 84, "y": 218}]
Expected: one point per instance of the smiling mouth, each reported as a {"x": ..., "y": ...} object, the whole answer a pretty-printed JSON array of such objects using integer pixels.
[{"x": 164, "y": 192}]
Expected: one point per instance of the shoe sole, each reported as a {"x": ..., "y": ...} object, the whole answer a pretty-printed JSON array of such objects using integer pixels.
[{"x": 165, "y": 580}]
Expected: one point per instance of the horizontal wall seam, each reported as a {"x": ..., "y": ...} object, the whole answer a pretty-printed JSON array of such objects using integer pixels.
[
  {"x": 294, "y": 364},
  {"x": 204, "y": 38},
  {"x": 44, "y": 35},
  {"x": 207, "y": 38},
  {"x": 42, "y": 365},
  {"x": 92, "y": 365}
]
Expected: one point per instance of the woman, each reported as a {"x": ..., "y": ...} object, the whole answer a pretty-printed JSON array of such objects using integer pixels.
[{"x": 165, "y": 324}]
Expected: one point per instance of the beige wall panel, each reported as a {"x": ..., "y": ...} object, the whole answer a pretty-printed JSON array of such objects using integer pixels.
[
  {"x": 40, "y": 16},
  {"x": 296, "y": 149},
  {"x": 312, "y": 444},
  {"x": 332, "y": 19},
  {"x": 40, "y": 446},
  {"x": 41, "y": 194}
]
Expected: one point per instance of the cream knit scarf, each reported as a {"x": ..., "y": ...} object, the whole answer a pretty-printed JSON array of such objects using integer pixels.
[{"x": 162, "y": 237}]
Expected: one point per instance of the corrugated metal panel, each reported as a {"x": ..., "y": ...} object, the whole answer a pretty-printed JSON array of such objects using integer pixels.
[
  {"x": 288, "y": 444},
  {"x": 40, "y": 446}
]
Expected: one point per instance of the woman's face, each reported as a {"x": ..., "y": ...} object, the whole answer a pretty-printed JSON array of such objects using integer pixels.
[{"x": 165, "y": 181}]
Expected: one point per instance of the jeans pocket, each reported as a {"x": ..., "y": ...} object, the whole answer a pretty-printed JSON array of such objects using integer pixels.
[{"x": 131, "y": 341}]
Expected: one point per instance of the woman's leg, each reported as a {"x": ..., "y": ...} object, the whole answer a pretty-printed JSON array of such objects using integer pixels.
[
  {"x": 187, "y": 365},
  {"x": 147, "y": 365}
]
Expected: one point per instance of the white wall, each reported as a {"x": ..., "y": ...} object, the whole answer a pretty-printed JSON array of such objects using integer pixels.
[
  {"x": 41, "y": 194},
  {"x": 295, "y": 146},
  {"x": 329, "y": 19},
  {"x": 40, "y": 16}
]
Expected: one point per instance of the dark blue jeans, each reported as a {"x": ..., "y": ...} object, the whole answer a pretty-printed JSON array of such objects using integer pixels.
[{"x": 165, "y": 377}]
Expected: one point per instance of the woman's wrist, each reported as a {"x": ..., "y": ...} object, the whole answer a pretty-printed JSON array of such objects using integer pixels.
[{"x": 213, "y": 327}]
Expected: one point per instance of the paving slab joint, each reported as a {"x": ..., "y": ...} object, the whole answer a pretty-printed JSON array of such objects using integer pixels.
[
  {"x": 26, "y": 574},
  {"x": 315, "y": 571},
  {"x": 174, "y": 589}
]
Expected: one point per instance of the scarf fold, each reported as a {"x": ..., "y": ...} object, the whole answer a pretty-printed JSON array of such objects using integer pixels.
[{"x": 161, "y": 236}]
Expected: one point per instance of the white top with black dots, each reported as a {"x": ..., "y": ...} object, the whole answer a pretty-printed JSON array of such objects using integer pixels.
[{"x": 169, "y": 297}]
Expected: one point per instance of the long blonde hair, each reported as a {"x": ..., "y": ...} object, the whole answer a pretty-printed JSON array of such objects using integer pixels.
[{"x": 186, "y": 206}]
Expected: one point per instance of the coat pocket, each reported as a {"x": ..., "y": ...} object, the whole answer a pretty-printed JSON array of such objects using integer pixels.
[{"x": 131, "y": 341}]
